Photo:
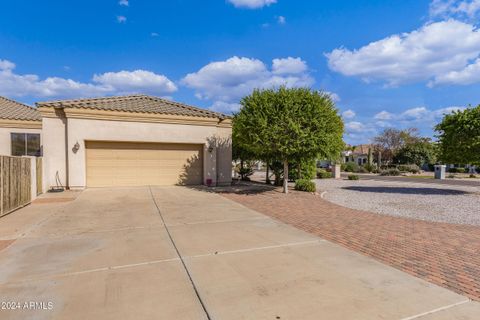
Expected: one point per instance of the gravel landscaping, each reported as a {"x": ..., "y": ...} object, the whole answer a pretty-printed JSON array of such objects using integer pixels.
[{"x": 431, "y": 202}]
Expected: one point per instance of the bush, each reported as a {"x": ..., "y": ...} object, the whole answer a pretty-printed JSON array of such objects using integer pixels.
[
  {"x": 456, "y": 170},
  {"x": 451, "y": 176},
  {"x": 369, "y": 167},
  {"x": 412, "y": 168},
  {"x": 323, "y": 174},
  {"x": 361, "y": 170},
  {"x": 478, "y": 169},
  {"x": 350, "y": 167},
  {"x": 473, "y": 176},
  {"x": 390, "y": 172},
  {"x": 308, "y": 170},
  {"x": 376, "y": 170},
  {"x": 305, "y": 185},
  {"x": 353, "y": 177}
]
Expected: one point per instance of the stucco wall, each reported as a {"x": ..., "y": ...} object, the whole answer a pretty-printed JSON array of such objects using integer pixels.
[
  {"x": 81, "y": 130},
  {"x": 5, "y": 142},
  {"x": 54, "y": 152}
]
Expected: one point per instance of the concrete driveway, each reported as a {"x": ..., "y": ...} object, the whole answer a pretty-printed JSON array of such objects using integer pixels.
[{"x": 179, "y": 253}]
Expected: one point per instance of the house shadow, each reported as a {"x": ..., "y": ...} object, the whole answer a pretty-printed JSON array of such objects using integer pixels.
[
  {"x": 191, "y": 172},
  {"x": 406, "y": 190}
]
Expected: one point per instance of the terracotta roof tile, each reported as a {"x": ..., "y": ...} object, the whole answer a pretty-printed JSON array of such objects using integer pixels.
[
  {"x": 135, "y": 103},
  {"x": 13, "y": 110}
]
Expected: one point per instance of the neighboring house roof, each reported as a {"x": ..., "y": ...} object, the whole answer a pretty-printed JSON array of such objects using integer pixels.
[
  {"x": 362, "y": 149},
  {"x": 12, "y": 110},
  {"x": 135, "y": 103}
]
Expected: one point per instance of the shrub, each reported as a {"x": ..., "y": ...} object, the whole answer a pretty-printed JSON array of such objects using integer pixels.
[
  {"x": 376, "y": 170},
  {"x": 353, "y": 177},
  {"x": 323, "y": 174},
  {"x": 305, "y": 185},
  {"x": 350, "y": 167},
  {"x": 390, "y": 172},
  {"x": 478, "y": 169},
  {"x": 451, "y": 176},
  {"x": 369, "y": 167},
  {"x": 361, "y": 170},
  {"x": 456, "y": 170},
  {"x": 307, "y": 170},
  {"x": 473, "y": 176},
  {"x": 412, "y": 168}
]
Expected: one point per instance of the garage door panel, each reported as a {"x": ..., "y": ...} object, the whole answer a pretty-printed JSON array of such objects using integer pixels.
[{"x": 138, "y": 164}]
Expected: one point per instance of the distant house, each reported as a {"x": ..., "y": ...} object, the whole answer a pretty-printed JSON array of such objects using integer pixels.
[
  {"x": 20, "y": 129},
  {"x": 357, "y": 154}
]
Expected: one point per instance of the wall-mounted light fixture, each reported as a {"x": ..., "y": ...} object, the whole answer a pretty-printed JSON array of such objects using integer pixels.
[
  {"x": 210, "y": 149},
  {"x": 76, "y": 147}
]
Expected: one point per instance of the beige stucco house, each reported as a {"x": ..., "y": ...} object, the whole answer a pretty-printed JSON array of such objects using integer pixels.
[
  {"x": 133, "y": 140},
  {"x": 20, "y": 129}
]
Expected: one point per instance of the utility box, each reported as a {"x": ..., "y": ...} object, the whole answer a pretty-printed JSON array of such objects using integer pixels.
[
  {"x": 336, "y": 171},
  {"x": 440, "y": 171}
]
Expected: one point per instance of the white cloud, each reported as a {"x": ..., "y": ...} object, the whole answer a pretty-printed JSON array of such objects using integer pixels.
[
  {"x": 349, "y": 114},
  {"x": 470, "y": 74},
  {"x": 236, "y": 77},
  {"x": 154, "y": 34},
  {"x": 123, "y": 3},
  {"x": 383, "y": 115},
  {"x": 252, "y": 4},
  {"x": 18, "y": 85},
  {"x": 454, "y": 8},
  {"x": 414, "y": 115},
  {"x": 289, "y": 66},
  {"x": 121, "y": 19},
  {"x": 132, "y": 81},
  {"x": 429, "y": 53},
  {"x": 281, "y": 20},
  {"x": 355, "y": 126}
]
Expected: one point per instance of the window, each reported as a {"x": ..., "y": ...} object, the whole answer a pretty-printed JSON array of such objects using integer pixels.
[{"x": 26, "y": 144}]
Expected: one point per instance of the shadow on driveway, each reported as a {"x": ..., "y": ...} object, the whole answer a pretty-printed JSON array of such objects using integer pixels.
[{"x": 404, "y": 190}]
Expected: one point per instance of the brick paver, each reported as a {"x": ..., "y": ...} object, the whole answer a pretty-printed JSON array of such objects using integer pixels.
[{"x": 445, "y": 254}]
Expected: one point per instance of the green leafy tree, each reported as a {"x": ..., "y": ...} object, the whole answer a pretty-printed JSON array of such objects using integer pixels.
[
  {"x": 459, "y": 137},
  {"x": 420, "y": 152},
  {"x": 290, "y": 125}
]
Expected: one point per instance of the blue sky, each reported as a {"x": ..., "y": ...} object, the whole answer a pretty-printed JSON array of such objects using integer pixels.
[{"x": 386, "y": 63}]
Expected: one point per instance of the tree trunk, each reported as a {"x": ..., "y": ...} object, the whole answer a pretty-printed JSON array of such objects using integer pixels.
[
  {"x": 267, "y": 179},
  {"x": 285, "y": 176}
]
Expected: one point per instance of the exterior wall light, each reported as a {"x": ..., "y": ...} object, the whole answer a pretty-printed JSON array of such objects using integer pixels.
[{"x": 76, "y": 147}]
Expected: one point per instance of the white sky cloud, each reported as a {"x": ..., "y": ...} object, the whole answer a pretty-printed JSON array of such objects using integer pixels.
[
  {"x": 349, "y": 114},
  {"x": 236, "y": 77},
  {"x": 252, "y": 4},
  {"x": 383, "y": 115},
  {"x": 121, "y": 19},
  {"x": 281, "y": 20},
  {"x": 123, "y": 3},
  {"x": 355, "y": 126},
  {"x": 289, "y": 66},
  {"x": 454, "y": 8},
  {"x": 19, "y": 85},
  {"x": 426, "y": 54}
]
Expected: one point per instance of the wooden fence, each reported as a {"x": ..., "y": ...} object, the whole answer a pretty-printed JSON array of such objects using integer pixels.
[
  {"x": 39, "y": 176},
  {"x": 15, "y": 183}
]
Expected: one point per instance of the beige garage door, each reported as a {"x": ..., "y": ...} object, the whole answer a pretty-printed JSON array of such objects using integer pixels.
[{"x": 111, "y": 164}]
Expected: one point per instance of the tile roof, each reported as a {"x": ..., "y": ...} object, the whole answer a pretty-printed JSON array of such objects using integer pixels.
[
  {"x": 13, "y": 110},
  {"x": 135, "y": 103},
  {"x": 362, "y": 149}
]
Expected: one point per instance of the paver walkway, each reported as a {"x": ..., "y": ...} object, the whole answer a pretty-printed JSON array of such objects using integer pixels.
[{"x": 445, "y": 254}]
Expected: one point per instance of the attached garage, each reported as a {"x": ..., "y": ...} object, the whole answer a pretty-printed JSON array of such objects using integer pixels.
[
  {"x": 112, "y": 164},
  {"x": 134, "y": 140}
]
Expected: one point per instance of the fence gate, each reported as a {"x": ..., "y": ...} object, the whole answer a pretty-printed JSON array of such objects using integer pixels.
[{"x": 15, "y": 183}]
